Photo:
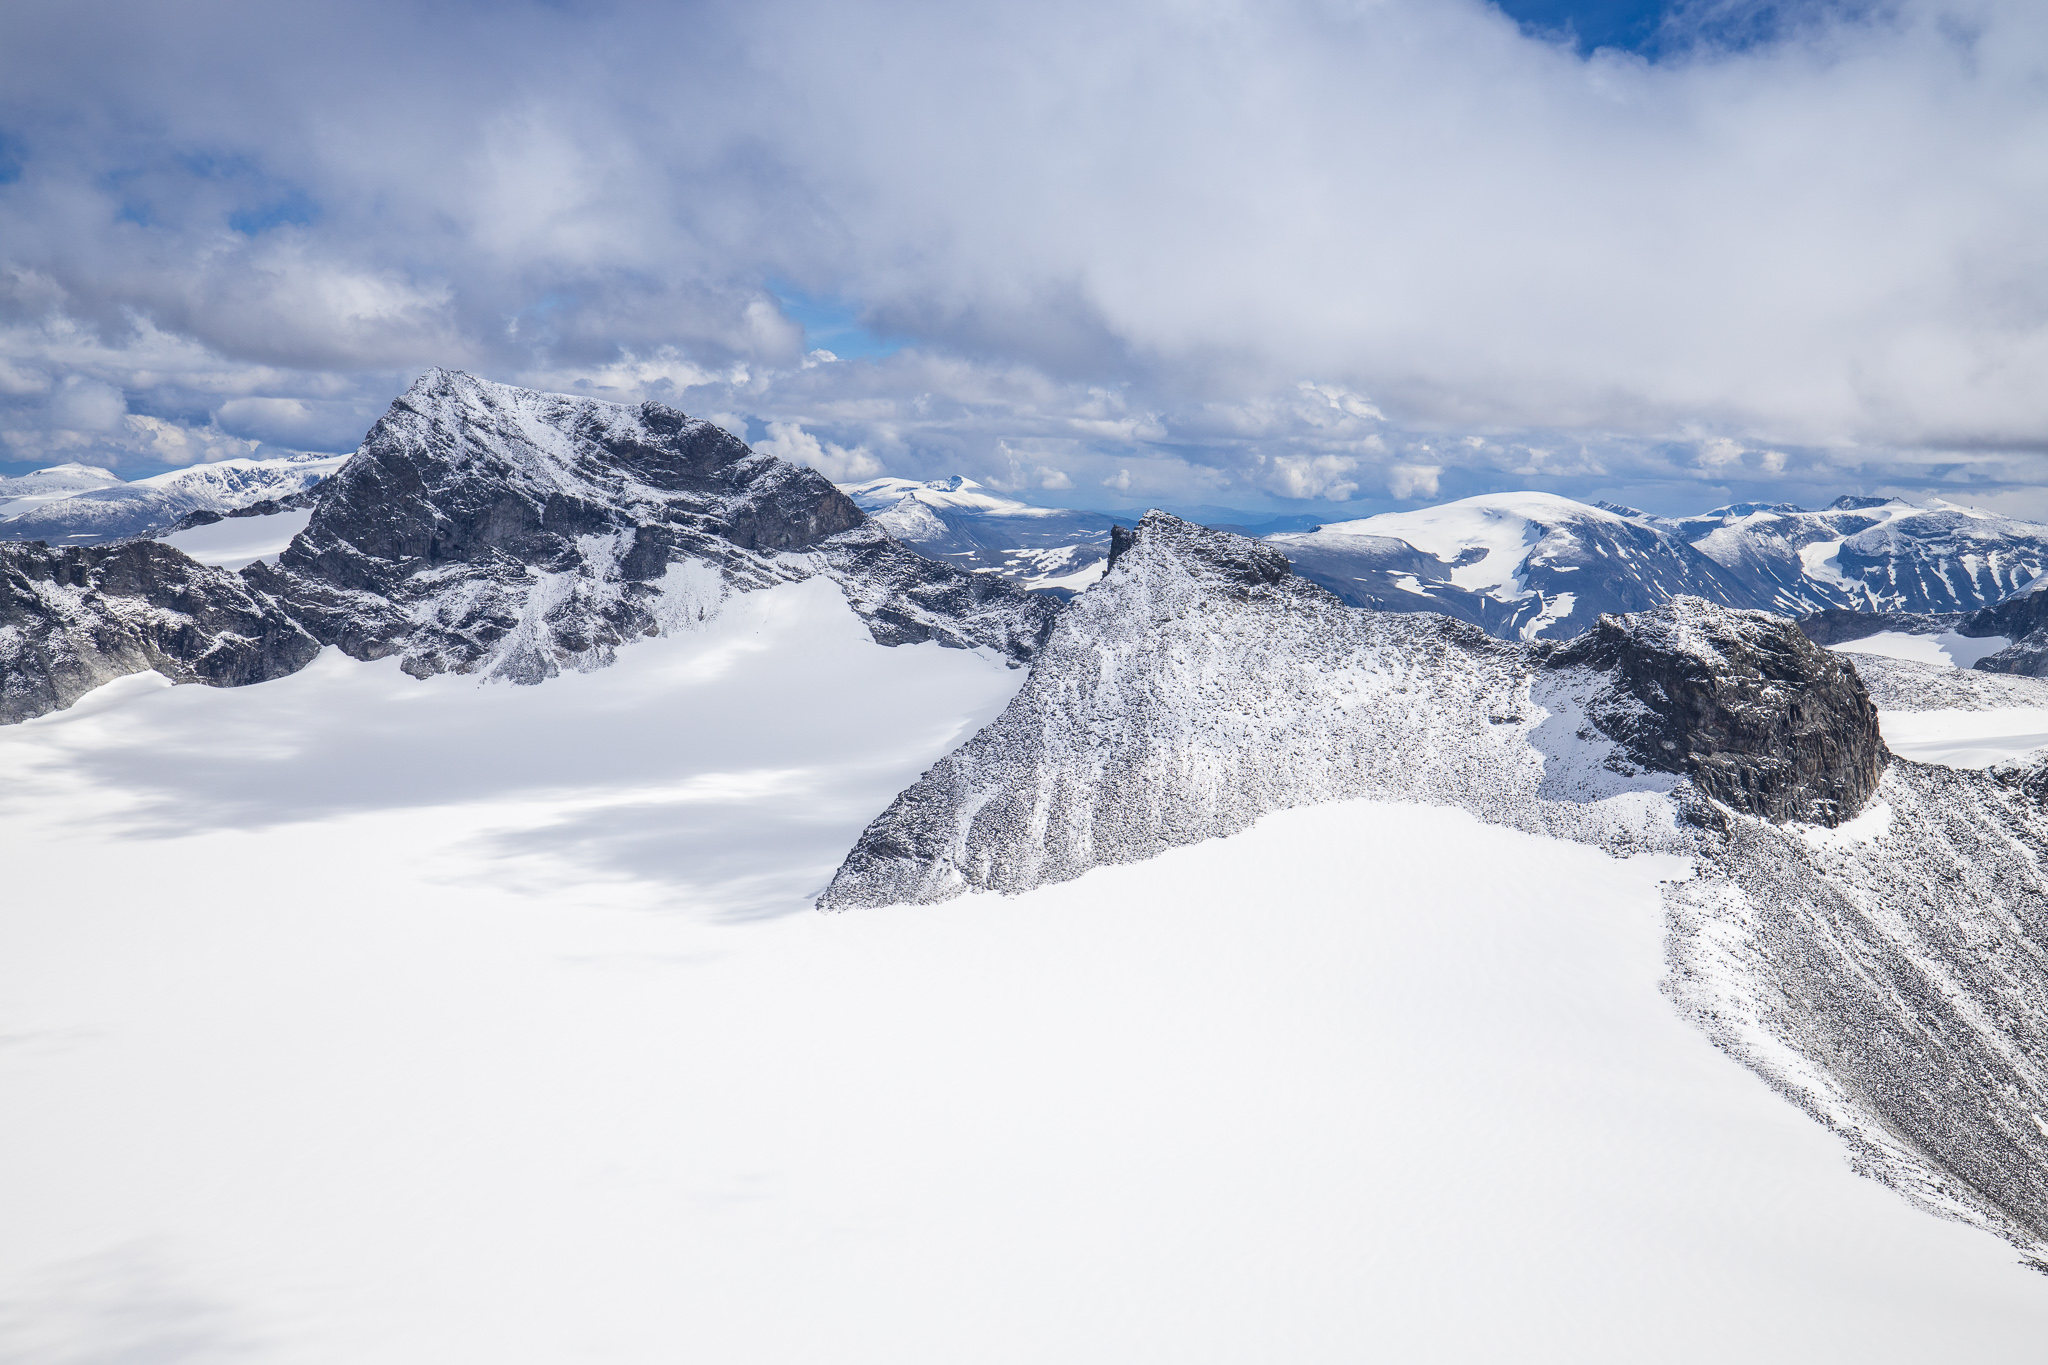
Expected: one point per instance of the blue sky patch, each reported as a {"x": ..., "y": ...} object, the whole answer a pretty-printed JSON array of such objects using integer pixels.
[{"x": 832, "y": 324}]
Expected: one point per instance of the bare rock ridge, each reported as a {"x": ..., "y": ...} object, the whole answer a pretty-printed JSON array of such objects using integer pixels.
[
  {"x": 1762, "y": 720},
  {"x": 496, "y": 531},
  {"x": 72, "y": 619},
  {"x": 1889, "y": 975}
]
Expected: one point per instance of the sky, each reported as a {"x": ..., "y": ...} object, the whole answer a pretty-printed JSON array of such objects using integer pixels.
[{"x": 1326, "y": 256}]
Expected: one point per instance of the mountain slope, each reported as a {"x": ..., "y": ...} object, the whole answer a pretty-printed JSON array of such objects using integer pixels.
[
  {"x": 1888, "y": 974},
  {"x": 1872, "y": 554},
  {"x": 960, "y": 522},
  {"x": 1518, "y": 565},
  {"x": 498, "y": 531},
  {"x": 489, "y": 529},
  {"x": 73, "y": 619}
]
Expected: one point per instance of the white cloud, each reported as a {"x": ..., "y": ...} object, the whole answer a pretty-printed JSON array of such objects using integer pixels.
[
  {"x": 1320, "y": 234},
  {"x": 1413, "y": 480},
  {"x": 789, "y": 441},
  {"x": 85, "y": 405},
  {"x": 1120, "y": 481}
]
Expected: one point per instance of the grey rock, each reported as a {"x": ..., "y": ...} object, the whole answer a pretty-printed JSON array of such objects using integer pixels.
[
  {"x": 1762, "y": 720},
  {"x": 74, "y": 618},
  {"x": 488, "y": 529}
]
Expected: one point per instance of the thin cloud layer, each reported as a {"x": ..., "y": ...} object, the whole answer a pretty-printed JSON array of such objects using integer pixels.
[{"x": 1369, "y": 252}]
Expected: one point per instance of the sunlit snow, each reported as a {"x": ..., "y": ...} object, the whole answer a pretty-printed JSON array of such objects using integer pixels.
[{"x": 355, "y": 1018}]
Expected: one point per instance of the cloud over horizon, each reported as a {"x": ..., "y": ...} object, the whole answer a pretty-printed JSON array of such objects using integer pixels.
[{"x": 1194, "y": 252}]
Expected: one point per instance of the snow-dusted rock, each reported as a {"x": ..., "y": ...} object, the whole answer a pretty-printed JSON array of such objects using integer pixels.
[
  {"x": 72, "y": 619},
  {"x": 1879, "y": 958},
  {"x": 488, "y": 529},
  {"x": 1763, "y": 720}
]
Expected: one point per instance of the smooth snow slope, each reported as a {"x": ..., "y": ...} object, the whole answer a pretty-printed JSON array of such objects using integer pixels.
[
  {"x": 353, "y": 1018},
  {"x": 234, "y": 542}
]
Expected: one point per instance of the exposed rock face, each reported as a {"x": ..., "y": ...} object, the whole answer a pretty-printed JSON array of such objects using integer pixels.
[
  {"x": 2022, "y": 619},
  {"x": 484, "y": 528},
  {"x": 492, "y": 530},
  {"x": 1761, "y": 718},
  {"x": 73, "y": 619}
]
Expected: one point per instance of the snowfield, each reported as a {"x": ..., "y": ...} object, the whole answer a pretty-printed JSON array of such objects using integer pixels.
[
  {"x": 357, "y": 1018},
  {"x": 234, "y": 542}
]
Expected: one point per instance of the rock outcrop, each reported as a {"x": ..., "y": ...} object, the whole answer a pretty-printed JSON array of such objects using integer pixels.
[
  {"x": 1758, "y": 716},
  {"x": 72, "y": 619}
]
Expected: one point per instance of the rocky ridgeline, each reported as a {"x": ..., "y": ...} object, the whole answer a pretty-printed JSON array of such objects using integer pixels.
[
  {"x": 73, "y": 619},
  {"x": 1866, "y": 935},
  {"x": 1201, "y": 685},
  {"x": 496, "y": 531}
]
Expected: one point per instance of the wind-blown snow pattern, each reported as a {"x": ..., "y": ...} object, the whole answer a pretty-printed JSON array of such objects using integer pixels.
[
  {"x": 959, "y": 522},
  {"x": 97, "y": 513},
  {"x": 1886, "y": 974}
]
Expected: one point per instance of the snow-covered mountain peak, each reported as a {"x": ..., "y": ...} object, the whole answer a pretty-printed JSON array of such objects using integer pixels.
[
  {"x": 1524, "y": 565},
  {"x": 955, "y": 493}
]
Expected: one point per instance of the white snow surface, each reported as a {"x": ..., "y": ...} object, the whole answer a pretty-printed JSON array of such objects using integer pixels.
[
  {"x": 1934, "y": 708},
  {"x": 353, "y": 1017},
  {"x": 234, "y": 542},
  {"x": 1956, "y": 651},
  {"x": 1505, "y": 525},
  {"x": 957, "y": 492}
]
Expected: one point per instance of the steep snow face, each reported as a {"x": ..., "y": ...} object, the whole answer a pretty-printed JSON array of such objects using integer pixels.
[
  {"x": 1519, "y": 565},
  {"x": 960, "y": 522},
  {"x": 1887, "y": 973},
  {"x": 101, "y": 513},
  {"x": 490, "y": 529}
]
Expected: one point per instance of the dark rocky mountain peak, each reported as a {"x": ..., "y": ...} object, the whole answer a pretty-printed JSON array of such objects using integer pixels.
[
  {"x": 1760, "y": 717},
  {"x": 486, "y": 528},
  {"x": 497, "y": 531}
]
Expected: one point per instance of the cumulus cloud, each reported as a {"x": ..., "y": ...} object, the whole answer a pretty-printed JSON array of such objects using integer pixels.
[
  {"x": 1279, "y": 250},
  {"x": 789, "y": 441}
]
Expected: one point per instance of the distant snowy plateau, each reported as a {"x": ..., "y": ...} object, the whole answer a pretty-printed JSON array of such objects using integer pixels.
[{"x": 1512, "y": 930}]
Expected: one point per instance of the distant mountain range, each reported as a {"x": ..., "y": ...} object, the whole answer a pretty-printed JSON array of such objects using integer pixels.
[
  {"x": 78, "y": 504},
  {"x": 1517, "y": 565},
  {"x": 1533, "y": 565}
]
